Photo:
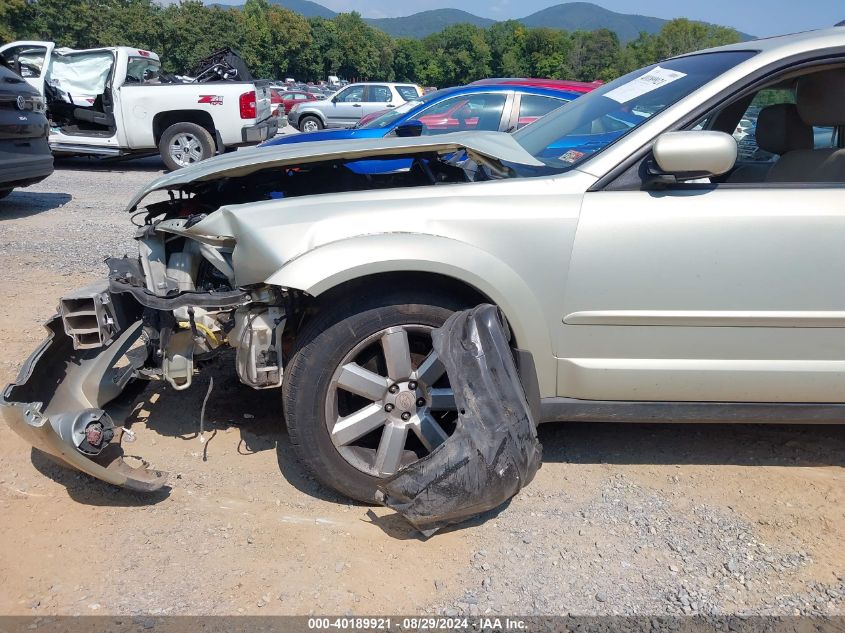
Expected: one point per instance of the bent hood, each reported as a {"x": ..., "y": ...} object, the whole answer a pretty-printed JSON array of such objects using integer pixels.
[
  {"x": 497, "y": 146},
  {"x": 323, "y": 135}
]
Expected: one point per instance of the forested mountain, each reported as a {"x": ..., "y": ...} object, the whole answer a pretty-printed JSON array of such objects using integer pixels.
[{"x": 568, "y": 16}]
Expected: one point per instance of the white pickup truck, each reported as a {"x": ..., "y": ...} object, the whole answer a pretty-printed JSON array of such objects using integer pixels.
[{"x": 113, "y": 102}]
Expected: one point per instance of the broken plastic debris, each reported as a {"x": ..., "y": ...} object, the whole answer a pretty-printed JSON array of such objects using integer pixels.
[{"x": 494, "y": 451}]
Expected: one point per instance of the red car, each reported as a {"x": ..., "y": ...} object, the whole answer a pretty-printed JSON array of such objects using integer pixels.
[
  {"x": 552, "y": 84},
  {"x": 288, "y": 98}
]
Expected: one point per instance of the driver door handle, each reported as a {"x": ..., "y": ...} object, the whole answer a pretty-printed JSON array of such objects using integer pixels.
[{"x": 356, "y": 105}]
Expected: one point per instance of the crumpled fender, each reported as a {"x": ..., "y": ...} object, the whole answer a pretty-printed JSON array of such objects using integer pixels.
[
  {"x": 494, "y": 451},
  {"x": 59, "y": 386}
]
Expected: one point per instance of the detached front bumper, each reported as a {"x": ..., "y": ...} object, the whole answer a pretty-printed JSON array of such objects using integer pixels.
[
  {"x": 260, "y": 132},
  {"x": 69, "y": 403}
]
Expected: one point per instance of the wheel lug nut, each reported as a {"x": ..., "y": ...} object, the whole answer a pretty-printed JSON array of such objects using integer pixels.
[
  {"x": 393, "y": 388},
  {"x": 420, "y": 402},
  {"x": 406, "y": 416},
  {"x": 388, "y": 407},
  {"x": 412, "y": 385}
]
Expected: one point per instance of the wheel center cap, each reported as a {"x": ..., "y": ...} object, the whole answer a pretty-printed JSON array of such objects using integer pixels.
[{"x": 406, "y": 401}]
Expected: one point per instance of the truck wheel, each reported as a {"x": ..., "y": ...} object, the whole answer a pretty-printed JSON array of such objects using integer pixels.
[
  {"x": 184, "y": 144},
  {"x": 310, "y": 124},
  {"x": 364, "y": 394}
]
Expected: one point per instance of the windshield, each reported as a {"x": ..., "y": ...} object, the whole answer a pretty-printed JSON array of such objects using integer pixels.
[{"x": 594, "y": 121}]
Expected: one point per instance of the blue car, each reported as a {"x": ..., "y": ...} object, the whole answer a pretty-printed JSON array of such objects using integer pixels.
[
  {"x": 490, "y": 107},
  {"x": 502, "y": 107}
]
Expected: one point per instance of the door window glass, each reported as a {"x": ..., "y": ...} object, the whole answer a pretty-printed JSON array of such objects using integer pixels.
[
  {"x": 464, "y": 112},
  {"x": 380, "y": 94},
  {"x": 353, "y": 94},
  {"x": 532, "y": 107},
  {"x": 27, "y": 61},
  {"x": 746, "y": 130}
]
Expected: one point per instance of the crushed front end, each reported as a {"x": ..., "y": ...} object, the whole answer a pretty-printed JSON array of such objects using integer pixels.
[
  {"x": 158, "y": 317},
  {"x": 200, "y": 284}
]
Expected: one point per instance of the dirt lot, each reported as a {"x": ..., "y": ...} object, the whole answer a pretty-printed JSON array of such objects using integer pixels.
[{"x": 620, "y": 519}]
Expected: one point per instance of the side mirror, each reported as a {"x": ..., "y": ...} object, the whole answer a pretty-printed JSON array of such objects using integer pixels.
[
  {"x": 410, "y": 128},
  {"x": 695, "y": 154}
]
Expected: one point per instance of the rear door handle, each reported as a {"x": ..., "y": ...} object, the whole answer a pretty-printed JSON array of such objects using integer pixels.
[
  {"x": 390, "y": 105},
  {"x": 356, "y": 105}
]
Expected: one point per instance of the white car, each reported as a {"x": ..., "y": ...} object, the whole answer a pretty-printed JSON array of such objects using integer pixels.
[
  {"x": 346, "y": 107},
  {"x": 111, "y": 102}
]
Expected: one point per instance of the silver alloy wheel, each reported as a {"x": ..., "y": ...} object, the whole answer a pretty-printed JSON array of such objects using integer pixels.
[
  {"x": 403, "y": 400},
  {"x": 185, "y": 149},
  {"x": 310, "y": 125}
]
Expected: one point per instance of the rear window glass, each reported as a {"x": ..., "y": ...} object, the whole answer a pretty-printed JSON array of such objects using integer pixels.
[{"x": 407, "y": 92}]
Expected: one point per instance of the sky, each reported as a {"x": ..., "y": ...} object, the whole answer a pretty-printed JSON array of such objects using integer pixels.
[{"x": 757, "y": 17}]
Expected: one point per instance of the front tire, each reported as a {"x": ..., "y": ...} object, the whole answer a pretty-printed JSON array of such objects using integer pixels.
[
  {"x": 310, "y": 124},
  {"x": 346, "y": 423},
  {"x": 184, "y": 144}
]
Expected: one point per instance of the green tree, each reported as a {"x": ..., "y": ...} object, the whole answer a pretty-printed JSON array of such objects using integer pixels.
[
  {"x": 684, "y": 36},
  {"x": 594, "y": 55},
  {"x": 460, "y": 54},
  {"x": 322, "y": 56},
  {"x": 366, "y": 53},
  {"x": 254, "y": 27},
  {"x": 13, "y": 18},
  {"x": 409, "y": 60},
  {"x": 191, "y": 31},
  {"x": 638, "y": 53},
  {"x": 132, "y": 23},
  {"x": 290, "y": 39},
  {"x": 507, "y": 49},
  {"x": 547, "y": 52},
  {"x": 276, "y": 42}
]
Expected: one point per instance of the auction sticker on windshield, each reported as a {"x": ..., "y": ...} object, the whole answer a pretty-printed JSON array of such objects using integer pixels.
[{"x": 655, "y": 78}]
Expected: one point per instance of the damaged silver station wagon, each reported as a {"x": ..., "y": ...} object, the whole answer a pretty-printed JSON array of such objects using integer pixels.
[{"x": 645, "y": 272}]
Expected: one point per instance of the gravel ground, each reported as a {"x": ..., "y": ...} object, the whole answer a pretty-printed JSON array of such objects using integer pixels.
[
  {"x": 647, "y": 520},
  {"x": 596, "y": 533},
  {"x": 72, "y": 221}
]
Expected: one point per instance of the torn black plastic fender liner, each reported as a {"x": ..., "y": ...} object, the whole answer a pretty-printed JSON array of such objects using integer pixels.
[{"x": 494, "y": 451}]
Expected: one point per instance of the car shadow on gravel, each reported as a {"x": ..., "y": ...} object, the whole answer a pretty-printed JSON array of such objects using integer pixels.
[
  {"x": 694, "y": 444},
  {"x": 93, "y": 164},
  {"x": 256, "y": 415},
  {"x": 88, "y": 490},
  {"x": 21, "y": 204}
]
